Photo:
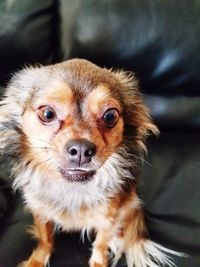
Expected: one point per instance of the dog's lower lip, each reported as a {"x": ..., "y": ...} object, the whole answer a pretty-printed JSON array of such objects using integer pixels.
[{"x": 77, "y": 175}]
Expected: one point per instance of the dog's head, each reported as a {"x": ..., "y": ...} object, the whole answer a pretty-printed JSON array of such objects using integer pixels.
[{"x": 67, "y": 120}]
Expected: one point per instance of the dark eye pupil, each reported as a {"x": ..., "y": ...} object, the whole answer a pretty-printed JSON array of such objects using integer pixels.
[
  {"x": 109, "y": 117},
  {"x": 48, "y": 114}
]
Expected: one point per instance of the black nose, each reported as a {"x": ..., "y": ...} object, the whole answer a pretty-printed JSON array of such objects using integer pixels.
[{"x": 80, "y": 152}]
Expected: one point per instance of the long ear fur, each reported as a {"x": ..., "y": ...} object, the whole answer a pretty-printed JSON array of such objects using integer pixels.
[
  {"x": 9, "y": 132},
  {"x": 12, "y": 106},
  {"x": 138, "y": 123}
]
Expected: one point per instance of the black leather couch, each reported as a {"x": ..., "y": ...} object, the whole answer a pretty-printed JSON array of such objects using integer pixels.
[{"x": 160, "y": 41}]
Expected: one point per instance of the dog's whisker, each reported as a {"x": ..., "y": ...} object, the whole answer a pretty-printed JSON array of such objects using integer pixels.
[
  {"x": 48, "y": 167},
  {"x": 41, "y": 152},
  {"x": 39, "y": 139},
  {"x": 142, "y": 159},
  {"x": 41, "y": 147},
  {"x": 43, "y": 161}
]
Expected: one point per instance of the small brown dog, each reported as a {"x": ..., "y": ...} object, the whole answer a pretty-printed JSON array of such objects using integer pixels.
[{"x": 75, "y": 133}]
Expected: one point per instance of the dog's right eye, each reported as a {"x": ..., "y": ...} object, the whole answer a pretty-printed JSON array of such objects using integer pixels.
[{"x": 46, "y": 114}]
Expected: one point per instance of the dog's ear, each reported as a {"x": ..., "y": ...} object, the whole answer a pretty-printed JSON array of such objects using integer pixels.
[
  {"x": 12, "y": 106},
  {"x": 138, "y": 123},
  {"x": 9, "y": 130},
  {"x": 11, "y": 110}
]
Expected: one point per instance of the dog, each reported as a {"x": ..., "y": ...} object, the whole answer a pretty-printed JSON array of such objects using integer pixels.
[{"x": 75, "y": 136}]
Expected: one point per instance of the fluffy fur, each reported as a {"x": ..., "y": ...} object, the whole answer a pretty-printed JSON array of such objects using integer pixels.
[{"x": 80, "y": 94}]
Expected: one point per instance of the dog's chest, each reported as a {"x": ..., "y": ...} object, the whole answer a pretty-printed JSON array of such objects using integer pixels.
[
  {"x": 85, "y": 218},
  {"x": 100, "y": 216}
]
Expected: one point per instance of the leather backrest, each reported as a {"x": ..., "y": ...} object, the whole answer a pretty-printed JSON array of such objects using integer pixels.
[
  {"x": 159, "y": 40},
  {"x": 28, "y": 34}
]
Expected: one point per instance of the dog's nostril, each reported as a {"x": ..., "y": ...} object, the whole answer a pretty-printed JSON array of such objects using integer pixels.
[
  {"x": 90, "y": 152},
  {"x": 73, "y": 151}
]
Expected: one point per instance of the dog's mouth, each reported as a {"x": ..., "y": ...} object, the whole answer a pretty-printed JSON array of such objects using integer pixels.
[{"x": 77, "y": 175}]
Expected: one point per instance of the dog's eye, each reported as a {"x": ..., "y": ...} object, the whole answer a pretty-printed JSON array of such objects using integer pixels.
[
  {"x": 110, "y": 117},
  {"x": 46, "y": 114}
]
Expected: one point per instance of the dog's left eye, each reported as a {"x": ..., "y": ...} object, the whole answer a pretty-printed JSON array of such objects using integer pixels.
[
  {"x": 110, "y": 117},
  {"x": 46, "y": 114}
]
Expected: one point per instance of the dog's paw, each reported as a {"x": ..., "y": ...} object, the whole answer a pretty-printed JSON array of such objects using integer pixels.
[
  {"x": 95, "y": 264},
  {"x": 31, "y": 263}
]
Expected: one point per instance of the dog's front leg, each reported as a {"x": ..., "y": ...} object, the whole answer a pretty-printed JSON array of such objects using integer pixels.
[
  {"x": 43, "y": 232},
  {"x": 99, "y": 256}
]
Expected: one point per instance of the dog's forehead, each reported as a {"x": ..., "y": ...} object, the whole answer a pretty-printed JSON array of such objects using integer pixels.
[
  {"x": 83, "y": 76},
  {"x": 95, "y": 99},
  {"x": 77, "y": 80},
  {"x": 59, "y": 92}
]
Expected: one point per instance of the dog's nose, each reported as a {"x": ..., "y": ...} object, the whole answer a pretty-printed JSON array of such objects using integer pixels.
[{"x": 80, "y": 151}]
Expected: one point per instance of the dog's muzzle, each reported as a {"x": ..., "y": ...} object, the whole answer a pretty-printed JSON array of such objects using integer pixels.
[{"x": 79, "y": 154}]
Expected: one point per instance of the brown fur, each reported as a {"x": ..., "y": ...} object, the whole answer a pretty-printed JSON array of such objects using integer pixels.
[
  {"x": 80, "y": 93},
  {"x": 43, "y": 232}
]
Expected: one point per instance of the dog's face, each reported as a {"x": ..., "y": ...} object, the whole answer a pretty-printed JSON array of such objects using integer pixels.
[
  {"x": 73, "y": 127},
  {"x": 70, "y": 124},
  {"x": 76, "y": 130}
]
